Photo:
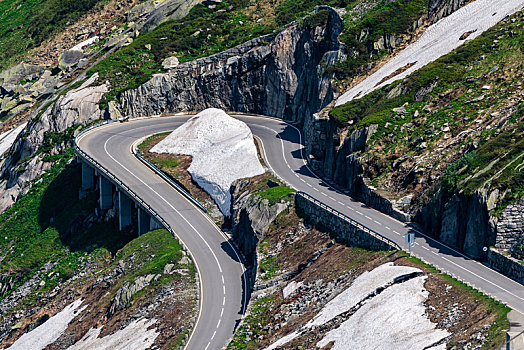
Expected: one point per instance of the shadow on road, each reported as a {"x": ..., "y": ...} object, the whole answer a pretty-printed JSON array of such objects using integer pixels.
[{"x": 247, "y": 278}]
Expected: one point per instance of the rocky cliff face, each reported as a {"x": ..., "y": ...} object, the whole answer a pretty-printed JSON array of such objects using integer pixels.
[
  {"x": 250, "y": 218},
  {"x": 462, "y": 221},
  {"x": 442, "y": 8},
  {"x": 459, "y": 220},
  {"x": 24, "y": 163},
  {"x": 278, "y": 75}
]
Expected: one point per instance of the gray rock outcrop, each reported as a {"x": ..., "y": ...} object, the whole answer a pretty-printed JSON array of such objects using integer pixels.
[
  {"x": 76, "y": 107},
  {"x": 439, "y": 9},
  {"x": 157, "y": 12},
  {"x": 170, "y": 63},
  {"x": 125, "y": 293},
  {"x": 459, "y": 220},
  {"x": 20, "y": 72},
  {"x": 22, "y": 85},
  {"x": 69, "y": 59},
  {"x": 251, "y": 216},
  {"x": 278, "y": 75}
]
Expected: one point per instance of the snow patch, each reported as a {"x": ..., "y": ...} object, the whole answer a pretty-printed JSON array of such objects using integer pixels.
[
  {"x": 291, "y": 288},
  {"x": 8, "y": 138},
  {"x": 284, "y": 340},
  {"x": 395, "y": 317},
  {"x": 438, "y": 40},
  {"x": 48, "y": 332},
  {"x": 365, "y": 284},
  {"x": 401, "y": 319},
  {"x": 223, "y": 151},
  {"x": 80, "y": 46},
  {"x": 136, "y": 336}
]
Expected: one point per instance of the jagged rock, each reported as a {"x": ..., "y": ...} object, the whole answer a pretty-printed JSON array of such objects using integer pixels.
[
  {"x": 114, "y": 111},
  {"x": 251, "y": 216},
  {"x": 44, "y": 85},
  {"x": 83, "y": 62},
  {"x": 451, "y": 222},
  {"x": 159, "y": 12},
  {"x": 168, "y": 268},
  {"x": 282, "y": 79},
  {"x": 460, "y": 220},
  {"x": 78, "y": 106},
  {"x": 20, "y": 72},
  {"x": 439, "y": 9},
  {"x": 124, "y": 295}
]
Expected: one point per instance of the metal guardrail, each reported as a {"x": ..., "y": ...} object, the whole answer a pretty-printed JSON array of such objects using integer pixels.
[
  {"x": 103, "y": 170},
  {"x": 514, "y": 342},
  {"x": 170, "y": 181},
  {"x": 157, "y": 216},
  {"x": 346, "y": 218}
]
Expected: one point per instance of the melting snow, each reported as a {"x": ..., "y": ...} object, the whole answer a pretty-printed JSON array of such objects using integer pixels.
[
  {"x": 136, "y": 336},
  {"x": 291, "y": 288},
  {"x": 396, "y": 317},
  {"x": 50, "y": 330},
  {"x": 223, "y": 151},
  {"x": 8, "y": 138},
  {"x": 80, "y": 46},
  {"x": 363, "y": 285},
  {"x": 438, "y": 40}
]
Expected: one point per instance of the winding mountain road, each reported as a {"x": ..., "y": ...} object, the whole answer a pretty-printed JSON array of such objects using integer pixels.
[{"x": 220, "y": 269}]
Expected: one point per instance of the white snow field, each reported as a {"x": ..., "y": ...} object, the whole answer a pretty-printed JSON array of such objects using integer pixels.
[
  {"x": 439, "y": 39},
  {"x": 390, "y": 316},
  {"x": 223, "y": 151},
  {"x": 8, "y": 138},
  {"x": 138, "y": 335},
  {"x": 365, "y": 284},
  {"x": 50, "y": 330},
  {"x": 394, "y": 320}
]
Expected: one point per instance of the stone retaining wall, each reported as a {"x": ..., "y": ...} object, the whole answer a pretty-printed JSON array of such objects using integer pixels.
[
  {"x": 342, "y": 228},
  {"x": 510, "y": 229},
  {"x": 506, "y": 265}
]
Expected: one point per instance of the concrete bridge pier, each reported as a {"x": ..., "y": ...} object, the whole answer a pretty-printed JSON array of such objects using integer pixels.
[
  {"x": 88, "y": 177},
  {"x": 125, "y": 206},
  {"x": 144, "y": 221},
  {"x": 106, "y": 194},
  {"x": 154, "y": 224}
]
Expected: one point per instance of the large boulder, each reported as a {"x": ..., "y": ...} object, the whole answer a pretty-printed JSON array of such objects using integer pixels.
[
  {"x": 170, "y": 63},
  {"x": 69, "y": 59}
]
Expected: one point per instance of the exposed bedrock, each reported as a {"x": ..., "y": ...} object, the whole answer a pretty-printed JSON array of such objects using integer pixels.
[
  {"x": 278, "y": 75},
  {"x": 461, "y": 221},
  {"x": 442, "y": 8},
  {"x": 23, "y": 163},
  {"x": 251, "y": 217}
]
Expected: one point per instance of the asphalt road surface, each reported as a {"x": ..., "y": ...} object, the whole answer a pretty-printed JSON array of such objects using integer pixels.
[{"x": 220, "y": 269}]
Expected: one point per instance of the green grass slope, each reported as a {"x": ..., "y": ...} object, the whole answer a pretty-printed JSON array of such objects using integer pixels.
[{"x": 25, "y": 24}]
